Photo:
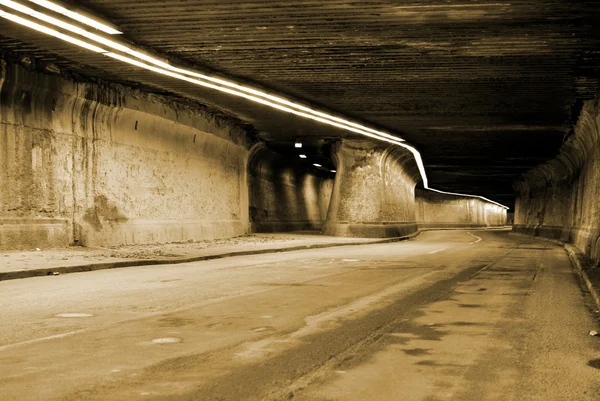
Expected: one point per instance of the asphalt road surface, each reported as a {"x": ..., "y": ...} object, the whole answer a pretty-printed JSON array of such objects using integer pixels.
[{"x": 452, "y": 315}]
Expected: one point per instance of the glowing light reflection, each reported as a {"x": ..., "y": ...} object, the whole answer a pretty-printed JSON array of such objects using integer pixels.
[
  {"x": 49, "y": 31},
  {"x": 77, "y": 16}
]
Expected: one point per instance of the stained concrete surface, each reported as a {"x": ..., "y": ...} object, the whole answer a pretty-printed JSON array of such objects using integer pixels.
[
  {"x": 446, "y": 316},
  {"x": 374, "y": 191},
  {"x": 559, "y": 199},
  {"x": 100, "y": 165}
]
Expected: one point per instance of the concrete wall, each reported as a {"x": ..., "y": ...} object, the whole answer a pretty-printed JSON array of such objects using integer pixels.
[
  {"x": 561, "y": 199},
  {"x": 373, "y": 194},
  {"x": 106, "y": 165},
  {"x": 435, "y": 210},
  {"x": 286, "y": 195}
]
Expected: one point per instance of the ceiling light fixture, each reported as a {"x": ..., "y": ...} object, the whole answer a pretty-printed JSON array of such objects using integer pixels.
[
  {"x": 241, "y": 91},
  {"x": 75, "y": 29},
  {"x": 77, "y": 17},
  {"x": 244, "y": 95},
  {"x": 298, "y": 145},
  {"x": 332, "y": 120},
  {"x": 333, "y": 171},
  {"x": 317, "y": 165},
  {"x": 51, "y": 32}
]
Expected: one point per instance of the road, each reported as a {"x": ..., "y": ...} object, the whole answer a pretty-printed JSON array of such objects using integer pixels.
[{"x": 452, "y": 315}]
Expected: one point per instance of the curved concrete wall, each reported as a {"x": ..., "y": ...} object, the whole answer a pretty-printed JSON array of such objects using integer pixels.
[
  {"x": 103, "y": 165},
  {"x": 286, "y": 195},
  {"x": 560, "y": 199},
  {"x": 435, "y": 210},
  {"x": 373, "y": 194},
  {"x": 107, "y": 165}
]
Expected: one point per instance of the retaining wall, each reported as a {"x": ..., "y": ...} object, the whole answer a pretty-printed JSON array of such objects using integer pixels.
[
  {"x": 103, "y": 165},
  {"x": 561, "y": 199}
]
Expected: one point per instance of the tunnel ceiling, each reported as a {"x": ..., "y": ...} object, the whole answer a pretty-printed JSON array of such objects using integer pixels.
[{"x": 484, "y": 89}]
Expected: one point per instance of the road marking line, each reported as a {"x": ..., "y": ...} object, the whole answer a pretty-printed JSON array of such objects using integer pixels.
[
  {"x": 474, "y": 242},
  {"x": 439, "y": 250},
  {"x": 37, "y": 340}
]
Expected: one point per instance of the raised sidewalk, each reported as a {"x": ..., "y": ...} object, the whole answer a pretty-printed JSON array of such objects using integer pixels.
[{"x": 48, "y": 262}]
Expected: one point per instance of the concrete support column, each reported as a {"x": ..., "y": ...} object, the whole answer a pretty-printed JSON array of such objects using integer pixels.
[{"x": 374, "y": 191}]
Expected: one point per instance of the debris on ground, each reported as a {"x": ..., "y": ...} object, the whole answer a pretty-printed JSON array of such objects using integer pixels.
[{"x": 594, "y": 333}]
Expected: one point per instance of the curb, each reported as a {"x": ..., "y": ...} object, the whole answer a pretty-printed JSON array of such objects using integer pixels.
[
  {"x": 13, "y": 275},
  {"x": 577, "y": 258}
]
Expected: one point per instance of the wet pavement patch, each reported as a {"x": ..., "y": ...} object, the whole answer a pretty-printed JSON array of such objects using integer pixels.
[
  {"x": 426, "y": 363},
  {"x": 470, "y": 305},
  {"x": 416, "y": 351},
  {"x": 594, "y": 363},
  {"x": 465, "y": 324},
  {"x": 74, "y": 315}
]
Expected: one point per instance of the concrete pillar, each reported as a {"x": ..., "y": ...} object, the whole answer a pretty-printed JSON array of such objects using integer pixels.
[{"x": 374, "y": 191}]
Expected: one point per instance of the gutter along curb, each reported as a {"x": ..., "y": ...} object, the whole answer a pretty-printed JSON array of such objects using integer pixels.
[{"x": 578, "y": 260}]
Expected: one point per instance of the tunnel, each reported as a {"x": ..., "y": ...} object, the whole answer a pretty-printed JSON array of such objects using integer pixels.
[{"x": 425, "y": 152}]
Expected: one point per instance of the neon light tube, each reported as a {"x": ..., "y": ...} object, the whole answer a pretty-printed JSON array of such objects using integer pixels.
[
  {"x": 69, "y": 27},
  {"x": 125, "y": 49},
  {"x": 244, "y": 95},
  {"x": 469, "y": 196},
  {"x": 51, "y": 32},
  {"x": 77, "y": 17}
]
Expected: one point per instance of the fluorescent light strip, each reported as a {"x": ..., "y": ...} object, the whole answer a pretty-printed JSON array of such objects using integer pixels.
[
  {"x": 51, "y": 32},
  {"x": 316, "y": 116},
  {"x": 244, "y": 95},
  {"x": 70, "y": 27},
  {"x": 469, "y": 196},
  {"x": 421, "y": 168},
  {"x": 280, "y": 100},
  {"x": 125, "y": 49},
  {"x": 77, "y": 17}
]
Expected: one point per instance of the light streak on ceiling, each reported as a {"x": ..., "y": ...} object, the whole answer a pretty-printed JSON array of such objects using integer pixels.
[{"x": 194, "y": 77}]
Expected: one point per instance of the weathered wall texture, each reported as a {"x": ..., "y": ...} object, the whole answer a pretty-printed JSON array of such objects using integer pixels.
[
  {"x": 286, "y": 195},
  {"x": 107, "y": 165},
  {"x": 374, "y": 191},
  {"x": 435, "y": 210},
  {"x": 561, "y": 199}
]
